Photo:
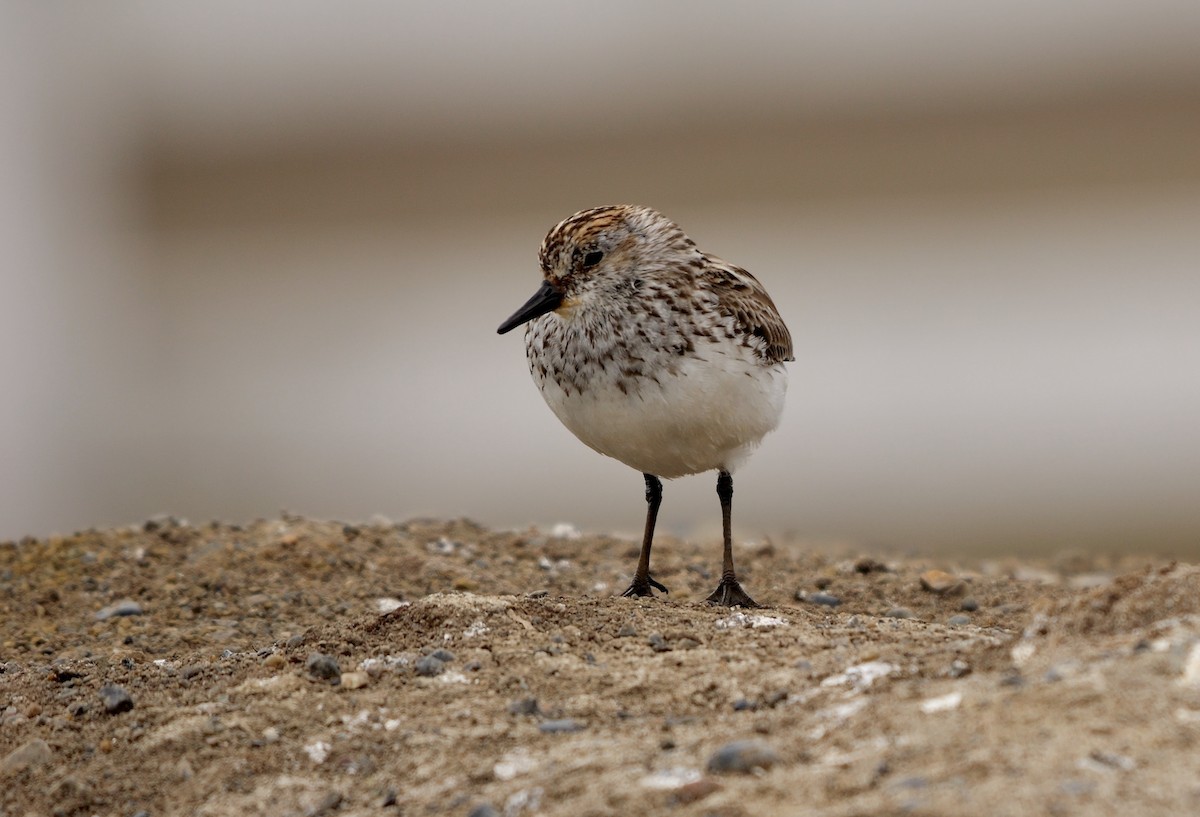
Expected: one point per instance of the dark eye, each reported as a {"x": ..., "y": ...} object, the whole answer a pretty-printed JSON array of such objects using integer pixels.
[{"x": 592, "y": 258}]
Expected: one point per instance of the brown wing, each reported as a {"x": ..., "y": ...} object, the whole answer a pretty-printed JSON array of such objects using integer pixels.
[{"x": 743, "y": 298}]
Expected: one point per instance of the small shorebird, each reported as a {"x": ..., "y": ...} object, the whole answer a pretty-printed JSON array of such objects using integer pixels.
[{"x": 656, "y": 354}]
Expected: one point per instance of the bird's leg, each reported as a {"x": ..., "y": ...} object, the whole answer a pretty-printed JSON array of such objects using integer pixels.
[
  {"x": 728, "y": 593},
  {"x": 642, "y": 583}
]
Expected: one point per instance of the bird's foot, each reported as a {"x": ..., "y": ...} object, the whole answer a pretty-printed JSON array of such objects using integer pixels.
[
  {"x": 730, "y": 594},
  {"x": 644, "y": 588}
]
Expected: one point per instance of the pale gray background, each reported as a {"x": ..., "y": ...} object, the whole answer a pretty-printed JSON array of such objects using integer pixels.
[{"x": 254, "y": 255}]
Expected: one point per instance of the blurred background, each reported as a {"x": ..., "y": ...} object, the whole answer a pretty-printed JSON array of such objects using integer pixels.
[{"x": 254, "y": 257}]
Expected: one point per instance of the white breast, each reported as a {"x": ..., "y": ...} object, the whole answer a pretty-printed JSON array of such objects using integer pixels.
[{"x": 700, "y": 415}]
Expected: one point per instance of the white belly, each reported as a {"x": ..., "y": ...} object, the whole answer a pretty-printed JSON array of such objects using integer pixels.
[{"x": 708, "y": 414}]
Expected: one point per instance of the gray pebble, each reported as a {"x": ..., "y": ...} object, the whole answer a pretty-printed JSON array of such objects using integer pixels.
[
  {"x": 560, "y": 726},
  {"x": 899, "y": 612},
  {"x": 124, "y": 607},
  {"x": 969, "y": 604},
  {"x": 658, "y": 643},
  {"x": 323, "y": 667},
  {"x": 627, "y": 631},
  {"x": 958, "y": 621},
  {"x": 445, "y": 656},
  {"x": 484, "y": 810},
  {"x": 743, "y": 756},
  {"x": 428, "y": 667},
  {"x": 524, "y": 706},
  {"x": 1113, "y": 760},
  {"x": 744, "y": 704},
  {"x": 825, "y": 599},
  {"x": 115, "y": 699}
]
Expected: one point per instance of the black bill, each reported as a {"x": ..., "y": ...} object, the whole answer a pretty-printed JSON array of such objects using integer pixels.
[{"x": 546, "y": 299}]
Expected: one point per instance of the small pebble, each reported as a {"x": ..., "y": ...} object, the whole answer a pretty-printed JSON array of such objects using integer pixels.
[
  {"x": 442, "y": 655},
  {"x": 743, "y": 757},
  {"x": 744, "y": 704},
  {"x": 29, "y": 755},
  {"x": 323, "y": 667},
  {"x": 1113, "y": 760},
  {"x": 959, "y": 620},
  {"x": 969, "y": 604},
  {"x": 355, "y": 680},
  {"x": 958, "y": 668},
  {"x": 658, "y": 643},
  {"x": 429, "y": 667},
  {"x": 825, "y": 599},
  {"x": 627, "y": 631},
  {"x": 940, "y": 582},
  {"x": 524, "y": 706},
  {"x": 388, "y": 797},
  {"x": 696, "y": 790},
  {"x": 775, "y": 698},
  {"x": 124, "y": 607},
  {"x": 899, "y": 612},
  {"x": 868, "y": 565},
  {"x": 484, "y": 810},
  {"x": 560, "y": 726},
  {"x": 115, "y": 699}
]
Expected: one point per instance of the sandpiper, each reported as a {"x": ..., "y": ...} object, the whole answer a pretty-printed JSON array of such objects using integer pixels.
[{"x": 656, "y": 354}]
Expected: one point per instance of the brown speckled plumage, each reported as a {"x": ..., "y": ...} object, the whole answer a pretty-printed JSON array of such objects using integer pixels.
[{"x": 655, "y": 353}]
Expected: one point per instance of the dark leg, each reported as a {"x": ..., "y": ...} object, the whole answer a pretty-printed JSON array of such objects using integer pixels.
[
  {"x": 728, "y": 593},
  {"x": 641, "y": 579}
]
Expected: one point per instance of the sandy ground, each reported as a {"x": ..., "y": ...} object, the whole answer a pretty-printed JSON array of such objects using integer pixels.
[{"x": 295, "y": 667}]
